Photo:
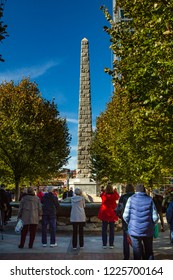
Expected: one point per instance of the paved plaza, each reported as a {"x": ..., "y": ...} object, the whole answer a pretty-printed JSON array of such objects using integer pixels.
[{"x": 92, "y": 250}]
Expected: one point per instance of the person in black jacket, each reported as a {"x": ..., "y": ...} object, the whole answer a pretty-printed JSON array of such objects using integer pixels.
[
  {"x": 4, "y": 204},
  {"x": 121, "y": 205},
  {"x": 50, "y": 206}
]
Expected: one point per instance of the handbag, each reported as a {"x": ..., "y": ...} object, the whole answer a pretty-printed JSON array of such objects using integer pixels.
[
  {"x": 119, "y": 210},
  {"x": 19, "y": 226},
  {"x": 156, "y": 231}
]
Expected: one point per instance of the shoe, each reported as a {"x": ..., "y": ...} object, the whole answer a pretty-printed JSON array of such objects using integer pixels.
[
  {"x": 162, "y": 230},
  {"x": 20, "y": 246},
  {"x": 81, "y": 247},
  {"x": 111, "y": 246},
  {"x": 104, "y": 247},
  {"x": 44, "y": 245},
  {"x": 53, "y": 245},
  {"x": 74, "y": 248}
]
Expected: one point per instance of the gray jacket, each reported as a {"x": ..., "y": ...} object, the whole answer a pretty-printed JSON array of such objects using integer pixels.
[
  {"x": 30, "y": 209},
  {"x": 77, "y": 209}
]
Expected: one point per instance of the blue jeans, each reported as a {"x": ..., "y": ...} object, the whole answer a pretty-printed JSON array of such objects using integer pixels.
[
  {"x": 51, "y": 221},
  {"x": 142, "y": 247},
  {"x": 111, "y": 233},
  {"x": 126, "y": 246}
]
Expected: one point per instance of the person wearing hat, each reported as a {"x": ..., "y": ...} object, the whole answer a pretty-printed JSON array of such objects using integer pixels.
[
  {"x": 29, "y": 212},
  {"x": 50, "y": 205},
  {"x": 141, "y": 216},
  {"x": 78, "y": 218},
  {"x": 158, "y": 200}
]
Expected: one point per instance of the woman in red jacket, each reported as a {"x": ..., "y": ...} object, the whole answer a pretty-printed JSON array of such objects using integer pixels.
[{"x": 107, "y": 214}]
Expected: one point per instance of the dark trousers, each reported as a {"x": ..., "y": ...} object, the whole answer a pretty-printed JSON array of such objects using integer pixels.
[
  {"x": 51, "y": 221},
  {"x": 171, "y": 232},
  {"x": 126, "y": 246},
  {"x": 78, "y": 226},
  {"x": 111, "y": 233},
  {"x": 161, "y": 219},
  {"x": 142, "y": 247},
  {"x": 32, "y": 232}
]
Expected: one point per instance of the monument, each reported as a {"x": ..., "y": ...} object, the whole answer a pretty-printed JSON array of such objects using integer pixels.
[{"x": 83, "y": 179}]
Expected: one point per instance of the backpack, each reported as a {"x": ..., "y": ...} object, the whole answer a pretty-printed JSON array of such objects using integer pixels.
[{"x": 119, "y": 210}]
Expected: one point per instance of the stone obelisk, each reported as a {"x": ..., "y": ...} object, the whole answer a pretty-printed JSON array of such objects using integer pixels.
[
  {"x": 83, "y": 179},
  {"x": 85, "y": 114}
]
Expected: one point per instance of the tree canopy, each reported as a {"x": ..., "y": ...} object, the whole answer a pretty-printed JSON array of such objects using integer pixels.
[
  {"x": 137, "y": 126},
  {"x": 34, "y": 139}
]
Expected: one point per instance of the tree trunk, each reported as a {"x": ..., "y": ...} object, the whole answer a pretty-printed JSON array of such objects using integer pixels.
[{"x": 17, "y": 190}]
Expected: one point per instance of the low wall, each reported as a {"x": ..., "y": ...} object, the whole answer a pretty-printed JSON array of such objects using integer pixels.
[{"x": 91, "y": 209}]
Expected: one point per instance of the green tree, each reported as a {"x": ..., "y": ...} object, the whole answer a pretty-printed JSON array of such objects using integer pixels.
[
  {"x": 34, "y": 139},
  {"x": 139, "y": 117}
]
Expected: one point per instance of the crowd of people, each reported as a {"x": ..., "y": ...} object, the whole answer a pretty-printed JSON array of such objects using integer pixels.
[
  {"x": 44, "y": 206},
  {"x": 138, "y": 211}
]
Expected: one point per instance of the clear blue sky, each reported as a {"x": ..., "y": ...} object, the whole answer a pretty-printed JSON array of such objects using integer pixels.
[{"x": 44, "y": 44}]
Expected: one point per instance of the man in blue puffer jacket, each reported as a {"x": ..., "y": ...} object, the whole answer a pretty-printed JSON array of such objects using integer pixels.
[{"x": 141, "y": 216}]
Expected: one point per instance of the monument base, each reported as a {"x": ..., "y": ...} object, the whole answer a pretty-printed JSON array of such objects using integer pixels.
[{"x": 85, "y": 184}]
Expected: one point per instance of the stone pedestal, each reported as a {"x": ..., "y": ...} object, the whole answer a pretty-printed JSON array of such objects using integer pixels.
[{"x": 85, "y": 184}]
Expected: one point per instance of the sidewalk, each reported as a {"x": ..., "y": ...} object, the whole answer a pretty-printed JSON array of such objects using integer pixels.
[{"x": 93, "y": 250}]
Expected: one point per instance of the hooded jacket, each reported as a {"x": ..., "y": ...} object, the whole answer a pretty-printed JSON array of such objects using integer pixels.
[
  {"x": 106, "y": 211},
  {"x": 30, "y": 209},
  {"x": 77, "y": 209}
]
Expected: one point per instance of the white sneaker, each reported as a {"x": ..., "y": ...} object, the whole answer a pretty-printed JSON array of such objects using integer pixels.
[
  {"x": 104, "y": 247},
  {"x": 44, "y": 245},
  {"x": 53, "y": 245},
  {"x": 111, "y": 246}
]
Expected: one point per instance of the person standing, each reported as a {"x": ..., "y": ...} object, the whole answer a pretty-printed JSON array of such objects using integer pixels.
[
  {"x": 40, "y": 193},
  {"x": 107, "y": 214},
  {"x": 3, "y": 204},
  {"x": 158, "y": 200},
  {"x": 70, "y": 192},
  {"x": 78, "y": 218},
  {"x": 121, "y": 205},
  {"x": 29, "y": 212},
  {"x": 50, "y": 205},
  {"x": 169, "y": 217},
  {"x": 141, "y": 216}
]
